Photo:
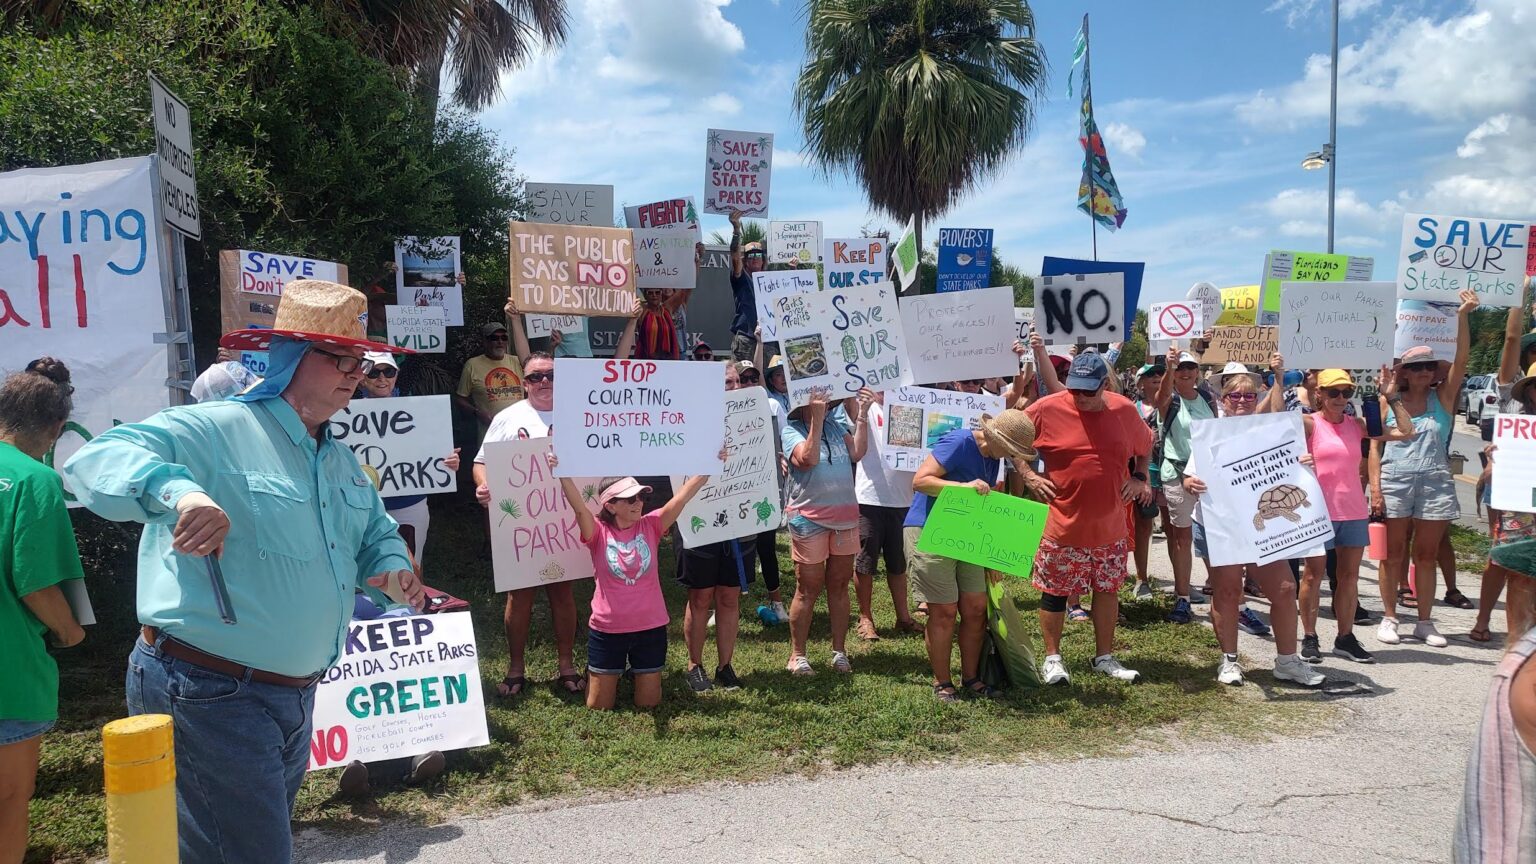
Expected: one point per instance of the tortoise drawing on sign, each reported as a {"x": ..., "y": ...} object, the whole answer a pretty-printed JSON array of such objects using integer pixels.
[
  {"x": 1283, "y": 500},
  {"x": 552, "y": 572}
]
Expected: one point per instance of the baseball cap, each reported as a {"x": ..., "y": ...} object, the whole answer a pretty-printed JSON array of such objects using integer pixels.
[
  {"x": 381, "y": 358},
  {"x": 1186, "y": 357},
  {"x": 1149, "y": 368},
  {"x": 491, "y": 328},
  {"x": 1334, "y": 378},
  {"x": 1087, "y": 372}
]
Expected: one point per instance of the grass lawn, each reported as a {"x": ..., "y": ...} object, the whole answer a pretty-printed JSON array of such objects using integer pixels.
[
  {"x": 546, "y": 745},
  {"x": 1471, "y": 548}
]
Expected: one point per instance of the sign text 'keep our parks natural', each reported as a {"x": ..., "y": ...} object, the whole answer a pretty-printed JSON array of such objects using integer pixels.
[
  {"x": 620, "y": 417},
  {"x": 573, "y": 269},
  {"x": 1337, "y": 325}
]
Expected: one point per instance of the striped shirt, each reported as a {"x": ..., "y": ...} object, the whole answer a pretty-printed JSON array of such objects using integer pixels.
[{"x": 1497, "y": 820}]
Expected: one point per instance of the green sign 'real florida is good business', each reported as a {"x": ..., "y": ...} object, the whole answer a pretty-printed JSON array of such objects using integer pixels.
[{"x": 996, "y": 531}]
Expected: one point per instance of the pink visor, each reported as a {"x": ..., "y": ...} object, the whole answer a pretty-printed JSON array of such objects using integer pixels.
[{"x": 626, "y": 488}]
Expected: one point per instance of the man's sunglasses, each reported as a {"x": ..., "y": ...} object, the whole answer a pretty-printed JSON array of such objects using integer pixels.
[
  {"x": 756, "y": 254},
  {"x": 1241, "y": 398},
  {"x": 346, "y": 363},
  {"x": 382, "y": 372},
  {"x": 497, "y": 338},
  {"x": 751, "y": 378},
  {"x": 1336, "y": 392},
  {"x": 1423, "y": 366},
  {"x": 536, "y": 377}
]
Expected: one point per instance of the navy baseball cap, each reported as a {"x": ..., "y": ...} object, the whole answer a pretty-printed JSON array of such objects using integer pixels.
[{"x": 1088, "y": 371}]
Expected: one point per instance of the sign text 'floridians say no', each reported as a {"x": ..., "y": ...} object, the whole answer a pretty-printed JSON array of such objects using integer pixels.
[{"x": 621, "y": 417}]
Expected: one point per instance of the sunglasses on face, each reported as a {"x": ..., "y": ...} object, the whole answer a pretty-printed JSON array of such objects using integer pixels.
[
  {"x": 703, "y": 355},
  {"x": 1337, "y": 392},
  {"x": 536, "y": 377},
  {"x": 637, "y": 498},
  {"x": 1424, "y": 366},
  {"x": 346, "y": 363},
  {"x": 501, "y": 338},
  {"x": 382, "y": 372},
  {"x": 751, "y": 379},
  {"x": 1241, "y": 398}
]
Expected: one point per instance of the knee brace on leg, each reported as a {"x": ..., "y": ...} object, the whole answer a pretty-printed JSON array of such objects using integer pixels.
[{"x": 1053, "y": 603}]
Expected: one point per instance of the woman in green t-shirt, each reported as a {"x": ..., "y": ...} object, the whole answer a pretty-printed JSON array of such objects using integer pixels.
[{"x": 37, "y": 552}]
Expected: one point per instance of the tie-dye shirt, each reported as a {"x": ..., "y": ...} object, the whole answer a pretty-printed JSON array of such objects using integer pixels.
[{"x": 627, "y": 596}]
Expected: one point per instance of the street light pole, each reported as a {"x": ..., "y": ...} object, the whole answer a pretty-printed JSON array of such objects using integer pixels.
[{"x": 1333, "y": 120}]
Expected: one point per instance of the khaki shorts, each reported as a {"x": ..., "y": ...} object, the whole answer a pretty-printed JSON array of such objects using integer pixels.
[
  {"x": 816, "y": 545},
  {"x": 938, "y": 579},
  {"x": 1181, "y": 504}
]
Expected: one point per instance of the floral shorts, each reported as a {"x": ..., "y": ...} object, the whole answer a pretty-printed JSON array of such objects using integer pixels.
[{"x": 1066, "y": 570}]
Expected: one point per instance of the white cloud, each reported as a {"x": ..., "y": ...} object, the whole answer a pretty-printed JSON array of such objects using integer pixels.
[
  {"x": 1126, "y": 139},
  {"x": 1298, "y": 10},
  {"x": 1472, "y": 145},
  {"x": 677, "y": 41}
]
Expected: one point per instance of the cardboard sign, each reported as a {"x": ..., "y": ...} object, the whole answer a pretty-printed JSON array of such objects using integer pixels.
[
  {"x": 907, "y": 257},
  {"x": 839, "y": 340},
  {"x": 1443, "y": 255},
  {"x": 81, "y": 255},
  {"x": 965, "y": 259},
  {"x": 664, "y": 258},
  {"x": 676, "y": 213},
  {"x": 1239, "y": 307},
  {"x": 1337, "y": 326},
  {"x": 917, "y": 417},
  {"x": 419, "y": 328},
  {"x": 737, "y": 169},
  {"x": 771, "y": 288},
  {"x": 403, "y": 687},
  {"x": 251, "y": 284},
  {"x": 1270, "y": 504},
  {"x": 1175, "y": 320},
  {"x": 1250, "y": 345},
  {"x": 545, "y": 325},
  {"x": 570, "y": 203},
  {"x": 1024, "y": 321},
  {"x": 849, "y": 261},
  {"x": 1432, "y": 324},
  {"x": 1514, "y": 475},
  {"x": 620, "y": 417},
  {"x": 573, "y": 270},
  {"x": 996, "y": 531},
  {"x": 534, "y": 538},
  {"x": 427, "y": 274},
  {"x": 1132, "y": 271},
  {"x": 794, "y": 242},
  {"x": 403, "y": 440},
  {"x": 743, "y": 499},
  {"x": 961, "y": 335},
  {"x": 1284, "y": 266},
  {"x": 1082, "y": 309}
]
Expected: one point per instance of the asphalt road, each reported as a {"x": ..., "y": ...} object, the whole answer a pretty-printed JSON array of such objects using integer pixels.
[{"x": 1467, "y": 441}]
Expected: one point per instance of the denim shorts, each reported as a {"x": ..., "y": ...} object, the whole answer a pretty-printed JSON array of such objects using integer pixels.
[
  {"x": 1201, "y": 550},
  {"x": 642, "y": 653},
  {"x": 1350, "y": 533},
  {"x": 17, "y": 731},
  {"x": 1428, "y": 495}
]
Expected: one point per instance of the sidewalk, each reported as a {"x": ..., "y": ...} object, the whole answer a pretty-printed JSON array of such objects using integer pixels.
[{"x": 1379, "y": 784}]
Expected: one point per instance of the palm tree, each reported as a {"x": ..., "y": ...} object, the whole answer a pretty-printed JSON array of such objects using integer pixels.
[
  {"x": 752, "y": 231},
  {"x": 919, "y": 100}
]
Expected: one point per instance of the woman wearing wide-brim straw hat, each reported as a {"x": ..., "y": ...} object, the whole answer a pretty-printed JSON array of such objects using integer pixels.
[{"x": 1411, "y": 482}]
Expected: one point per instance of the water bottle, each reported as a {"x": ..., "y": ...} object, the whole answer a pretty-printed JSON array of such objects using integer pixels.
[
  {"x": 1370, "y": 406},
  {"x": 1377, "y": 531}
]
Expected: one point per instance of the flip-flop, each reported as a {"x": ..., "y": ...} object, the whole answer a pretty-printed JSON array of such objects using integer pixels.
[
  {"x": 511, "y": 686},
  {"x": 1485, "y": 636},
  {"x": 573, "y": 683},
  {"x": 1077, "y": 614},
  {"x": 1457, "y": 599}
]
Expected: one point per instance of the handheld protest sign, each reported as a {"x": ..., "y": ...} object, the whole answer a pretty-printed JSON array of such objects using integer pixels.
[
  {"x": 1082, "y": 309},
  {"x": 1282, "y": 266},
  {"x": 427, "y": 274},
  {"x": 1514, "y": 481},
  {"x": 850, "y": 261},
  {"x": 573, "y": 269},
  {"x": 743, "y": 499},
  {"x": 570, "y": 203},
  {"x": 1443, "y": 255},
  {"x": 794, "y": 242},
  {"x": 1249, "y": 345},
  {"x": 961, "y": 335},
  {"x": 996, "y": 531},
  {"x": 422, "y": 329},
  {"x": 1337, "y": 325},
  {"x": 917, "y": 417},
  {"x": 622, "y": 417},
  {"x": 738, "y": 167},
  {"x": 1178, "y": 319},
  {"x": 534, "y": 537},
  {"x": 1421, "y": 323},
  {"x": 837, "y": 341},
  {"x": 964, "y": 259},
  {"x": 404, "y": 439}
]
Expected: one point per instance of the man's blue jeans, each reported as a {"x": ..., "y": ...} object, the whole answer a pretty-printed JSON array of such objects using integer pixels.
[{"x": 241, "y": 750}]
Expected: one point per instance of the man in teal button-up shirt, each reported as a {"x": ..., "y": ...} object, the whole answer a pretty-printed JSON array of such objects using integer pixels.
[{"x": 298, "y": 528}]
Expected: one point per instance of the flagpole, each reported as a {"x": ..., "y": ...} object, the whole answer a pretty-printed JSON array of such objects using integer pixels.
[{"x": 1093, "y": 219}]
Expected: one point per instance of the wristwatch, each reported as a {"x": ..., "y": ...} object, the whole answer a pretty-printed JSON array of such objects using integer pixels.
[{"x": 1139, "y": 476}]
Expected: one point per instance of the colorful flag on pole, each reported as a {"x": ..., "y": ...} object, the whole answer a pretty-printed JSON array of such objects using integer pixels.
[
  {"x": 1079, "y": 48},
  {"x": 1097, "y": 195}
]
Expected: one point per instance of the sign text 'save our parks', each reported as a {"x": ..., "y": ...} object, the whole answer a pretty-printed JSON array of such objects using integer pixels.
[{"x": 1442, "y": 255}]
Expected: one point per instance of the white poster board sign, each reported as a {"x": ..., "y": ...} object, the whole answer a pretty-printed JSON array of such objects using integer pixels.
[
  {"x": 1271, "y": 506},
  {"x": 403, "y": 440},
  {"x": 80, "y": 254},
  {"x": 1023, "y": 322},
  {"x": 743, "y": 499},
  {"x": 794, "y": 242},
  {"x": 1083, "y": 309},
  {"x": 534, "y": 538},
  {"x": 427, "y": 274},
  {"x": 420, "y": 328},
  {"x": 960, "y": 335},
  {"x": 1179, "y": 319},
  {"x": 545, "y": 325},
  {"x": 849, "y": 261},
  {"x": 1337, "y": 325},
  {"x": 1442, "y": 255},
  {"x": 1431, "y": 324},
  {"x": 917, "y": 417},
  {"x": 664, "y": 258},
  {"x": 570, "y": 203},
  {"x": 622, "y": 417},
  {"x": 678, "y": 213},
  {"x": 737, "y": 169},
  {"x": 1514, "y": 477},
  {"x": 1207, "y": 298},
  {"x": 838, "y": 341},
  {"x": 404, "y": 687},
  {"x": 772, "y": 288}
]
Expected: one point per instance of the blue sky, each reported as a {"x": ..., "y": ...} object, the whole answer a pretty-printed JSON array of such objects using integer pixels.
[{"x": 1207, "y": 110}]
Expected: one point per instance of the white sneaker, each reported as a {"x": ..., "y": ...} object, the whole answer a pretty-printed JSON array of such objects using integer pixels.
[
  {"x": 711, "y": 620},
  {"x": 1111, "y": 667},
  {"x": 779, "y": 612},
  {"x": 1053, "y": 671},
  {"x": 1425, "y": 632},
  {"x": 1230, "y": 673},
  {"x": 799, "y": 667},
  {"x": 840, "y": 663},
  {"x": 1143, "y": 591},
  {"x": 1386, "y": 632},
  {"x": 1293, "y": 668}
]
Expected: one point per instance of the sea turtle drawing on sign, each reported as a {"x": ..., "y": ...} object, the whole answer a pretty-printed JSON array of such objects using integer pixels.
[{"x": 1283, "y": 500}]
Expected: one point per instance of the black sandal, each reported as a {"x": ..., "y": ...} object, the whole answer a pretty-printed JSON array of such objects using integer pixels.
[
  {"x": 511, "y": 686},
  {"x": 944, "y": 691},
  {"x": 978, "y": 687},
  {"x": 1457, "y": 599}
]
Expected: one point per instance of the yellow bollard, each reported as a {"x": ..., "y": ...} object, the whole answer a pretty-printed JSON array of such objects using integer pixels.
[{"x": 140, "y": 762}]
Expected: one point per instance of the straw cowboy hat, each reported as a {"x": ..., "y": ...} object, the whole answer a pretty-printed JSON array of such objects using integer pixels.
[
  {"x": 1010, "y": 433},
  {"x": 313, "y": 310}
]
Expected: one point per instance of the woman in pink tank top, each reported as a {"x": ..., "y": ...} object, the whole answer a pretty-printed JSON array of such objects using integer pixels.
[{"x": 1335, "y": 454}]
